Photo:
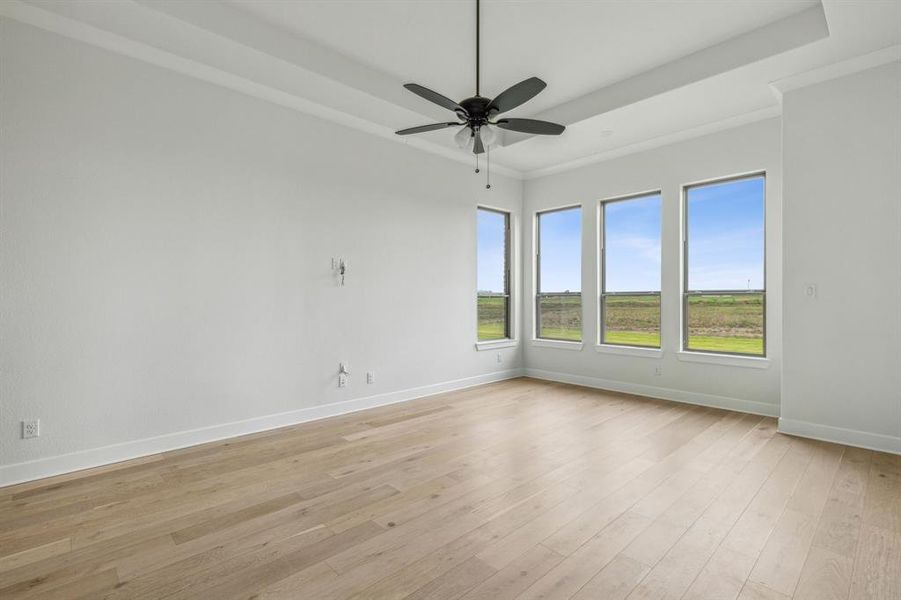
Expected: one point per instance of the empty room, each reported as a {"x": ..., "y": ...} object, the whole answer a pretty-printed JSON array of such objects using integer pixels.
[{"x": 450, "y": 299}]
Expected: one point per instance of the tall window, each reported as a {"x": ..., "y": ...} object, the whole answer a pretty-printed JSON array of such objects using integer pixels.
[
  {"x": 493, "y": 266},
  {"x": 724, "y": 299},
  {"x": 559, "y": 302},
  {"x": 630, "y": 271}
]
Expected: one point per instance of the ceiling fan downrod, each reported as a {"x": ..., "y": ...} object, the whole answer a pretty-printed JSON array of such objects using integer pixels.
[
  {"x": 478, "y": 28},
  {"x": 478, "y": 61}
]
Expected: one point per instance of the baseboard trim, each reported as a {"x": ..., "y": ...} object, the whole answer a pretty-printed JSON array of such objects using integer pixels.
[
  {"x": 106, "y": 455},
  {"x": 710, "y": 400},
  {"x": 841, "y": 435}
]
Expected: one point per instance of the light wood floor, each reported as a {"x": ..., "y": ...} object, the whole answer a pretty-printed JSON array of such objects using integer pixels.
[{"x": 521, "y": 489}]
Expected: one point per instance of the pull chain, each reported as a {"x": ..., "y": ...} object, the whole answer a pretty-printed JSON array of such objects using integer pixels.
[
  {"x": 477, "y": 163},
  {"x": 487, "y": 167}
]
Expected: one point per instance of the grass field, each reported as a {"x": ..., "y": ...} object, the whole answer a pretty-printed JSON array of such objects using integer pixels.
[
  {"x": 561, "y": 317},
  {"x": 632, "y": 338},
  {"x": 632, "y": 320},
  {"x": 492, "y": 311},
  {"x": 726, "y": 323},
  {"x": 731, "y": 323},
  {"x": 726, "y": 344}
]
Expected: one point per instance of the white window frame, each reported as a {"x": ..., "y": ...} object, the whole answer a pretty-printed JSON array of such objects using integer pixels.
[
  {"x": 509, "y": 331},
  {"x": 536, "y": 325},
  {"x": 687, "y": 353},
  {"x": 602, "y": 274}
]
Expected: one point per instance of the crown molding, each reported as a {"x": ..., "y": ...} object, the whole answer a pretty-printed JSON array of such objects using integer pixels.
[
  {"x": 158, "y": 31},
  {"x": 657, "y": 142},
  {"x": 218, "y": 44},
  {"x": 836, "y": 70}
]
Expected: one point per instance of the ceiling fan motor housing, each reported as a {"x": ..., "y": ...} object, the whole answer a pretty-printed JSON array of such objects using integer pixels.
[{"x": 476, "y": 108}]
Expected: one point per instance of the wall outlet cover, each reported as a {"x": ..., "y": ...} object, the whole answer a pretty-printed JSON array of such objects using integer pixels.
[{"x": 31, "y": 429}]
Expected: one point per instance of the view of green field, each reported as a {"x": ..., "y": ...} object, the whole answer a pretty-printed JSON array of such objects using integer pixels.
[
  {"x": 726, "y": 323},
  {"x": 492, "y": 310},
  {"x": 561, "y": 317},
  {"x": 716, "y": 323},
  {"x": 632, "y": 338},
  {"x": 632, "y": 320}
]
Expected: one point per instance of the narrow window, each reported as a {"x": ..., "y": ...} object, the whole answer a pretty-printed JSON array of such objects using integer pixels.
[
  {"x": 724, "y": 298},
  {"x": 493, "y": 274},
  {"x": 559, "y": 302},
  {"x": 630, "y": 271}
]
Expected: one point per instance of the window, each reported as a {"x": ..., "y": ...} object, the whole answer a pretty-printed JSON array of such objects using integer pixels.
[
  {"x": 630, "y": 271},
  {"x": 559, "y": 301},
  {"x": 724, "y": 298},
  {"x": 493, "y": 275}
]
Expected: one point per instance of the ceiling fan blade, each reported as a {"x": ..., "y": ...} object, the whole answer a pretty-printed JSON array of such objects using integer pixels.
[
  {"x": 424, "y": 128},
  {"x": 478, "y": 147},
  {"x": 518, "y": 94},
  {"x": 531, "y": 126},
  {"x": 435, "y": 97}
]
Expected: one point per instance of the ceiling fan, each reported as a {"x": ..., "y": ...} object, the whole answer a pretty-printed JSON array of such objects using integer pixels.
[{"x": 477, "y": 115}]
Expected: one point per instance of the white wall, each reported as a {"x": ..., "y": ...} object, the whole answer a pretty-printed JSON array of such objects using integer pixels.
[
  {"x": 746, "y": 149},
  {"x": 842, "y": 365},
  {"x": 166, "y": 252},
  {"x": 165, "y": 248}
]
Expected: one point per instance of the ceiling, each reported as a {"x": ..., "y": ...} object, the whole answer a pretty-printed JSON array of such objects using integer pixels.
[
  {"x": 622, "y": 75},
  {"x": 576, "y": 47}
]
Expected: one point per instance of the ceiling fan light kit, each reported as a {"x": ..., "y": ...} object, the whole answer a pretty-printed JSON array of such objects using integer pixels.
[{"x": 477, "y": 116}]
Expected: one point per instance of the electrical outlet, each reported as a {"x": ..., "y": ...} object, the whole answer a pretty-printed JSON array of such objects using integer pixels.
[
  {"x": 31, "y": 429},
  {"x": 500, "y": 358},
  {"x": 370, "y": 377},
  {"x": 342, "y": 380},
  {"x": 658, "y": 371},
  {"x": 810, "y": 290}
]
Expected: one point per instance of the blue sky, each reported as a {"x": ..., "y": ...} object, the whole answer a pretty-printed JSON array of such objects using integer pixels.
[
  {"x": 561, "y": 250},
  {"x": 725, "y": 237},
  {"x": 632, "y": 244},
  {"x": 490, "y": 251}
]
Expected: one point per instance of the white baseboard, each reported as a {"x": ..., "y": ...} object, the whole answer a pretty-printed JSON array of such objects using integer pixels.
[
  {"x": 841, "y": 435},
  {"x": 651, "y": 391},
  {"x": 96, "y": 457}
]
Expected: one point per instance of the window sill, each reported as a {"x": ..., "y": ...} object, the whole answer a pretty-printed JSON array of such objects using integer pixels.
[
  {"x": 728, "y": 360},
  {"x": 629, "y": 351},
  {"x": 496, "y": 344},
  {"x": 560, "y": 344}
]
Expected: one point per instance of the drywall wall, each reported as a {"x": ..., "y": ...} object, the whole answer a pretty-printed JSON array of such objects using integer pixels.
[
  {"x": 842, "y": 350},
  {"x": 166, "y": 250},
  {"x": 753, "y": 387}
]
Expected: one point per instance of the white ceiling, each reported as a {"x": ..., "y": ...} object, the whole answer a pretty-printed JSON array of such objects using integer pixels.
[
  {"x": 574, "y": 46},
  {"x": 622, "y": 75}
]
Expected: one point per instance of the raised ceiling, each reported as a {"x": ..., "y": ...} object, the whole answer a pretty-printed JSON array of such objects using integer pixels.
[
  {"x": 576, "y": 47},
  {"x": 622, "y": 75}
]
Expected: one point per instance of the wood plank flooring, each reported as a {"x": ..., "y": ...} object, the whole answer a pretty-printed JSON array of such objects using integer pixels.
[{"x": 520, "y": 489}]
